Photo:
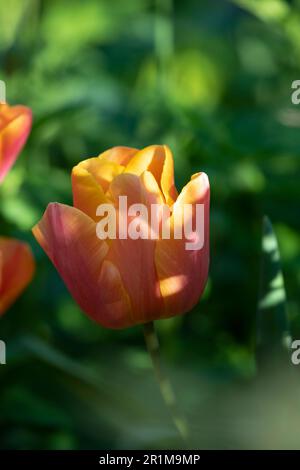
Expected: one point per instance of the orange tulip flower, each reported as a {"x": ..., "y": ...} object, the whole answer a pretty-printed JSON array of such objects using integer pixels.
[
  {"x": 16, "y": 270},
  {"x": 122, "y": 282},
  {"x": 15, "y": 125}
]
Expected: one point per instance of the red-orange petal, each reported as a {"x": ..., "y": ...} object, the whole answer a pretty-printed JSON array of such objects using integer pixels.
[
  {"x": 182, "y": 273},
  {"x": 16, "y": 270},
  {"x": 68, "y": 237},
  {"x": 15, "y": 125}
]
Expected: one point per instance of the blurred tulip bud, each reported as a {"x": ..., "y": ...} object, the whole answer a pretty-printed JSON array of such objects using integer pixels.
[
  {"x": 15, "y": 126},
  {"x": 16, "y": 270}
]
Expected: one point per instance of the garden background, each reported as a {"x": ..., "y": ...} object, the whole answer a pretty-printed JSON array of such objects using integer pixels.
[{"x": 212, "y": 79}]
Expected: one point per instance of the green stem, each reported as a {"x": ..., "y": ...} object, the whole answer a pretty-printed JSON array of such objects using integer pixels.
[{"x": 165, "y": 385}]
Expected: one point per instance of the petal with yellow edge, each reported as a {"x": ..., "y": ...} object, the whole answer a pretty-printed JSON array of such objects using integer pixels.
[
  {"x": 120, "y": 155},
  {"x": 157, "y": 159},
  {"x": 90, "y": 181}
]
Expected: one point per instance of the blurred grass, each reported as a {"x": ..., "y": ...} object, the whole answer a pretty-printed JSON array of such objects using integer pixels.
[
  {"x": 213, "y": 80},
  {"x": 273, "y": 336}
]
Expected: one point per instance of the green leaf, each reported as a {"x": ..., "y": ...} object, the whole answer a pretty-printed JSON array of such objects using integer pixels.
[
  {"x": 55, "y": 358},
  {"x": 273, "y": 324}
]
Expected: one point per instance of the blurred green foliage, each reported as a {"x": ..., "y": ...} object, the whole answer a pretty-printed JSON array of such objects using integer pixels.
[{"x": 212, "y": 79}]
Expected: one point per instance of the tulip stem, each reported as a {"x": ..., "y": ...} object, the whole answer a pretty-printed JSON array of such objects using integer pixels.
[{"x": 165, "y": 385}]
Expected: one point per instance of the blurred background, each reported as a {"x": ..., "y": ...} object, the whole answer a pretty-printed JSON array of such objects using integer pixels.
[{"x": 212, "y": 79}]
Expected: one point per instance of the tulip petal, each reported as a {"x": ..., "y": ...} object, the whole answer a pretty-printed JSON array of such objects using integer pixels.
[
  {"x": 157, "y": 159},
  {"x": 119, "y": 155},
  {"x": 102, "y": 170},
  {"x": 135, "y": 257},
  {"x": 90, "y": 181},
  {"x": 16, "y": 270},
  {"x": 183, "y": 273},
  {"x": 88, "y": 194},
  {"x": 68, "y": 236},
  {"x": 15, "y": 125}
]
